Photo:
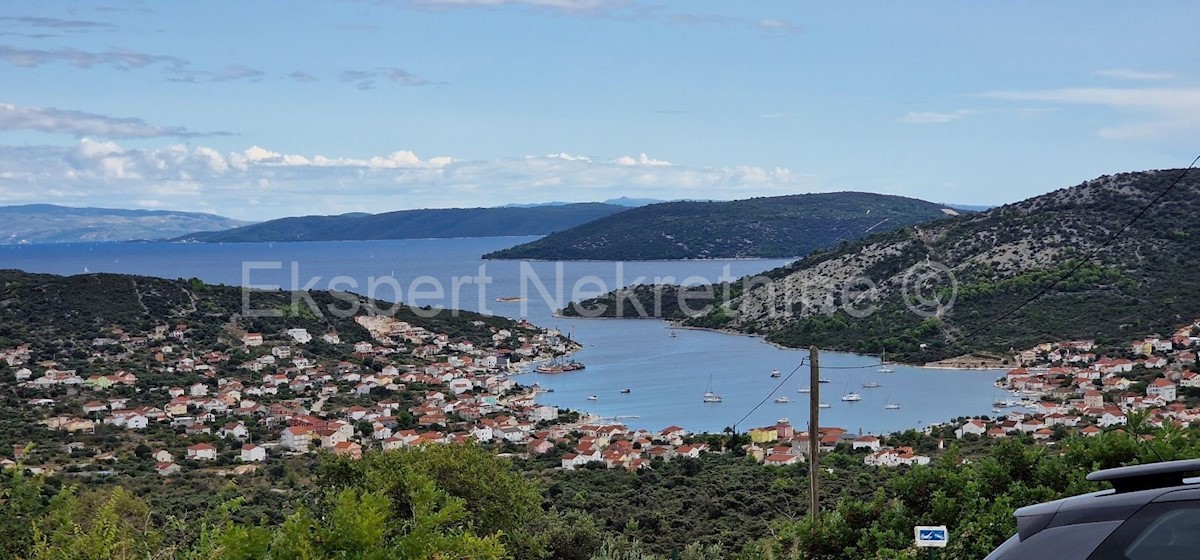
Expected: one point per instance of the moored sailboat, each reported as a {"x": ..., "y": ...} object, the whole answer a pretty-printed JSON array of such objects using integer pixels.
[{"x": 709, "y": 395}]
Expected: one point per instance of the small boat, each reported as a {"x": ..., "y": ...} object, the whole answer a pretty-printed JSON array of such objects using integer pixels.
[
  {"x": 850, "y": 396},
  {"x": 996, "y": 411},
  {"x": 674, "y": 334},
  {"x": 883, "y": 367},
  {"x": 824, "y": 405},
  {"x": 804, "y": 390},
  {"x": 892, "y": 406},
  {"x": 709, "y": 395},
  {"x": 776, "y": 373},
  {"x": 625, "y": 391},
  {"x": 783, "y": 400},
  {"x": 823, "y": 380},
  {"x": 560, "y": 367},
  {"x": 871, "y": 385},
  {"x": 548, "y": 391},
  {"x": 592, "y": 398}
]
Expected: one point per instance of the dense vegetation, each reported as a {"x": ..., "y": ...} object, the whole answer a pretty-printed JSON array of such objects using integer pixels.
[
  {"x": 47, "y": 223},
  {"x": 1145, "y": 282},
  {"x": 51, "y": 311},
  {"x": 443, "y": 502},
  {"x": 416, "y": 224},
  {"x": 772, "y": 227}
]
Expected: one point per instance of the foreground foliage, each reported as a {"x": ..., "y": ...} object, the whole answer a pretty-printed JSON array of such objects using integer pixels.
[{"x": 460, "y": 502}]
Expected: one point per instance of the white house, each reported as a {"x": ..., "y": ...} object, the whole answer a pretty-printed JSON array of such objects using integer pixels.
[
  {"x": 251, "y": 452},
  {"x": 866, "y": 442},
  {"x": 1161, "y": 388},
  {"x": 974, "y": 426},
  {"x": 296, "y": 438},
  {"x": 202, "y": 452},
  {"x": 300, "y": 335}
]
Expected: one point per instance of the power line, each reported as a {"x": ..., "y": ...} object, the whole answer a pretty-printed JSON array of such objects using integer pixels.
[
  {"x": 773, "y": 391},
  {"x": 1010, "y": 312},
  {"x": 1090, "y": 256}
]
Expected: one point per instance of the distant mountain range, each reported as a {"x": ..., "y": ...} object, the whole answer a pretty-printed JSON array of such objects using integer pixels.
[
  {"x": 415, "y": 224},
  {"x": 48, "y": 223},
  {"x": 619, "y": 201},
  {"x": 768, "y": 227},
  {"x": 1145, "y": 281}
]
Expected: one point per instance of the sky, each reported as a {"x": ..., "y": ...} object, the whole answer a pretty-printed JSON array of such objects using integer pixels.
[{"x": 264, "y": 109}]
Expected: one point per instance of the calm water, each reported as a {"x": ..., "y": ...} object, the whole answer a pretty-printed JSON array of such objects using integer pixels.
[{"x": 666, "y": 375}]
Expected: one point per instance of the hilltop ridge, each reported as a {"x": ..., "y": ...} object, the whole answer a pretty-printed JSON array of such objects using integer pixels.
[
  {"x": 764, "y": 227},
  {"x": 979, "y": 266}
]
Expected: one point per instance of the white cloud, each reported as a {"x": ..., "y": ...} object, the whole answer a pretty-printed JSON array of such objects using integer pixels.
[
  {"x": 563, "y": 5},
  {"x": 930, "y": 117},
  {"x": 80, "y": 123},
  {"x": 642, "y": 160},
  {"x": 236, "y": 183},
  {"x": 366, "y": 79},
  {"x": 568, "y": 157},
  {"x": 1127, "y": 74},
  {"x": 90, "y": 149},
  {"x": 1161, "y": 111},
  {"x": 779, "y": 25}
]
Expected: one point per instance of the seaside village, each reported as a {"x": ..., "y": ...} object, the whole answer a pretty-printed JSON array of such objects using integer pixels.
[
  {"x": 1057, "y": 389},
  {"x": 1066, "y": 387},
  {"x": 468, "y": 393},
  {"x": 286, "y": 396}
]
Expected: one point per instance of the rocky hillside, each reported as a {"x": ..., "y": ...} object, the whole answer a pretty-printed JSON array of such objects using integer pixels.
[
  {"x": 769, "y": 227},
  {"x": 917, "y": 292},
  {"x": 47, "y": 223}
]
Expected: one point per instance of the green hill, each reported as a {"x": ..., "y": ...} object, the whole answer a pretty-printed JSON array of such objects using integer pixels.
[
  {"x": 1144, "y": 282},
  {"x": 771, "y": 227},
  {"x": 47, "y": 310},
  {"x": 415, "y": 224}
]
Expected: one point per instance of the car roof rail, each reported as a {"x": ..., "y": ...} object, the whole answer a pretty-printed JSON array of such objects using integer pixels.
[{"x": 1146, "y": 477}]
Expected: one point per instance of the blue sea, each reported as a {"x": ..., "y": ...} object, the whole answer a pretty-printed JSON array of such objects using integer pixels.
[{"x": 667, "y": 375}]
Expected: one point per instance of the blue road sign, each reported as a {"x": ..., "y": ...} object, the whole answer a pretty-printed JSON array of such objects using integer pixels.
[{"x": 935, "y": 536}]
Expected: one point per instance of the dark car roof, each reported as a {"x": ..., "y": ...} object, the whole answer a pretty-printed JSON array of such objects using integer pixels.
[{"x": 1133, "y": 487}]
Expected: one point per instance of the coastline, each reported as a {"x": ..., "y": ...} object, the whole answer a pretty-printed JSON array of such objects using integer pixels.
[{"x": 762, "y": 338}]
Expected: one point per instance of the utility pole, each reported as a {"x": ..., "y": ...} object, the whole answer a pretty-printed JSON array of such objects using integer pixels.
[{"x": 814, "y": 425}]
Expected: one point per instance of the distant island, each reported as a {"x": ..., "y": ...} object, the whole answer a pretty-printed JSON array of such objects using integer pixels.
[
  {"x": 49, "y": 223},
  {"x": 415, "y": 224},
  {"x": 767, "y": 227}
]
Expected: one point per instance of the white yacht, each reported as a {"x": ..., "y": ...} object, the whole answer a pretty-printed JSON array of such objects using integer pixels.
[{"x": 709, "y": 395}]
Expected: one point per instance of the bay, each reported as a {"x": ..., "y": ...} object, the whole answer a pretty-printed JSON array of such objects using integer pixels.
[{"x": 666, "y": 375}]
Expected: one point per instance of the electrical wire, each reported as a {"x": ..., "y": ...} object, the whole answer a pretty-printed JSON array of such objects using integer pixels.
[
  {"x": 1142, "y": 212},
  {"x": 1084, "y": 261},
  {"x": 773, "y": 391}
]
